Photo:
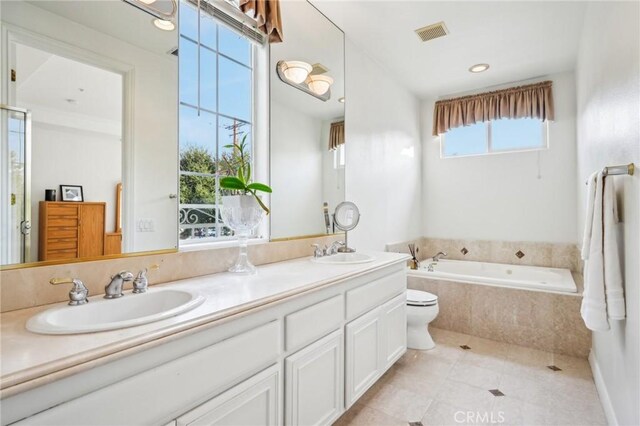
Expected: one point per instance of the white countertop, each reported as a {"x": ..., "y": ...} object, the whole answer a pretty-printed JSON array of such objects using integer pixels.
[{"x": 30, "y": 359}]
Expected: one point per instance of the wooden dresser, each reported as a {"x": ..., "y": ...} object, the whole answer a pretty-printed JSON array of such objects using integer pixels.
[{"x": 71, "y": 230}]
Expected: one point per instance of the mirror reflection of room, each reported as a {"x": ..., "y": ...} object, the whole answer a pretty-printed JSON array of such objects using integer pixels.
[
  {"x": 307, "y": 124},
  {"x": 90, "y": 101}
]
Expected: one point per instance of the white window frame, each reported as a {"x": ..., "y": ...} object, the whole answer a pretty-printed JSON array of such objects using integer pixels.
[
  {"x": 259, "y": 153},
  {"x": 339, "y": 157},
  {"x": 489, "y": 150}
]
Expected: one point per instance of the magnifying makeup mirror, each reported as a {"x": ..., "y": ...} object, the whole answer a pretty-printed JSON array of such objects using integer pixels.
[{"x": 346, "y": 218}]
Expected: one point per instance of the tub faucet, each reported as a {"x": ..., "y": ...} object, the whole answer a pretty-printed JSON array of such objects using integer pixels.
[
  {"x": 439, "y": 255},
  {"x": 113, "y": 290}
]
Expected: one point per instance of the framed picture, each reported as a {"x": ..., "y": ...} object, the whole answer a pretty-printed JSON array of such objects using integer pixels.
[{"x": 71, "y": 193}]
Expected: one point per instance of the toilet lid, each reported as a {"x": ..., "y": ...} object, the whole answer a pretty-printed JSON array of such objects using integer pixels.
[{"x": 421, "y": 298}]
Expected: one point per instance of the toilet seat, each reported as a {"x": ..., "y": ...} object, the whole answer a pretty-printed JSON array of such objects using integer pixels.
[{"x": 421, "y": 298}]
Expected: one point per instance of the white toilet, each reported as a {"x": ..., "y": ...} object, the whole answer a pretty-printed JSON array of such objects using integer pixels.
[{"x": 422, "y": 308}]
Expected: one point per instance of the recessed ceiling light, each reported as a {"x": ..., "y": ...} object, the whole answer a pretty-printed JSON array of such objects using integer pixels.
[
  {"x": 341, "y": 100},
  {"x": 164, "y": 25},
  {"x": 479, "y": 68}
]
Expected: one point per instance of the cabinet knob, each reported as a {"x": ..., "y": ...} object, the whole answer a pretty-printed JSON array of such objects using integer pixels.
[{"x": 173, "y": 196}]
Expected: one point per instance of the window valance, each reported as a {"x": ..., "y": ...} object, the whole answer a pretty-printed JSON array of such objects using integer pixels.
[
  {"x": 336, "y": 135},
  {"x": 267, "y": 13},
  {"x": 532, "y": 100}
]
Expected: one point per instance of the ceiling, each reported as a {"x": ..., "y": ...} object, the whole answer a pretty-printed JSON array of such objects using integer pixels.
[
  {"x": 117, "y": 19},
  {"x": 79, "y": 88},
  {"x": 519, "y": 39}
]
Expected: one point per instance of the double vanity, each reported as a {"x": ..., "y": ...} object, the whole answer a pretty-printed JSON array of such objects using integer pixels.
[{"x": 296, "y": 344}]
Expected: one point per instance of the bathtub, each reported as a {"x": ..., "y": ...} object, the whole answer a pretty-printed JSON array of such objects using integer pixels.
[{"x": 499, "y": 275}]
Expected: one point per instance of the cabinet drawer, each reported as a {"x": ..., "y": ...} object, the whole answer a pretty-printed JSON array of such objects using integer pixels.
[
  {"x": 368, "y": 296},
  {"x": 62, "y": 221},
  {"x": 60, "y": 244},
  {"x": 62, "y": 254},
  {"x": 62, "y": 210},
  {"x": 172, "y": 387},
  {"x": 53, "y": 233},
  {"x": 309, "y": 324}
]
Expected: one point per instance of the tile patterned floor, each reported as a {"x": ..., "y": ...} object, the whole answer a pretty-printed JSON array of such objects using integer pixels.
[{"x": 491, "y": 383}]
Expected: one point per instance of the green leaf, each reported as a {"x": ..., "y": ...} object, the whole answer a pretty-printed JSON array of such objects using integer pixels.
[
  {"x": 232, "y": 182},
  {"x": 259, "y": 187},
  {"x": 241, "y": 174},
  {"x": 248, "y": 177},
  {"x": 229, "y": 146}
]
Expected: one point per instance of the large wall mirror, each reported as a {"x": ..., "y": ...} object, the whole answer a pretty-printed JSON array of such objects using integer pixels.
[
  {"x": 89, "y": 129},
  {"x": 307, "y": 123}
]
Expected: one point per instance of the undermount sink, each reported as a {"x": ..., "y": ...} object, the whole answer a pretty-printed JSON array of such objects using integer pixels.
[
  {"x": 344, "y": 259},
  {"x": 127, "y": 311}
]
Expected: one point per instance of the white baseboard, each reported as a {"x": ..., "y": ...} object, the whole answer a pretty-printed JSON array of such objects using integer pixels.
[{"x": 602, "y": 390}]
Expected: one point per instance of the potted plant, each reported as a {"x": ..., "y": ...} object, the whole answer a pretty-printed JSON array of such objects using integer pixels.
[{"x": 242, "y": 210}]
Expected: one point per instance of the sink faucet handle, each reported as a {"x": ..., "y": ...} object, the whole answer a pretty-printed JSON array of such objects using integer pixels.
[
  {"x": 78, "y": 293},
  {"x": 317, "y": 251},
  {"x": 141, "y": 283}
]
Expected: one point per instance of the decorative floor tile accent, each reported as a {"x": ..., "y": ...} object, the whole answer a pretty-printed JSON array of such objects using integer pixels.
[
  {"x": 415, "y": 424},
  {"x": 519, "y": 254},
  {"x": 465, "y": 347},
  {"x": 554, "y": 368},
  {"x": 464, "y": 251},
  {"x": 496, "y": 392}
]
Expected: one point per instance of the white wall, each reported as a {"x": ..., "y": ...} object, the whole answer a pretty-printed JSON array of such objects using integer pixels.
[
  {"x": 296, "y": 201},
  {"x": 154, "y": 117},
  {"x": 608, "y": 93},
  {"x": 383, "y": 152},
  {"x": 521, "y": 196}
]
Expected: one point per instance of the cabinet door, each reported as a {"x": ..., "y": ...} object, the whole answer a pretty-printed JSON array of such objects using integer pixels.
[
  {"x": 363, "y": 360},
  {"x": 314, "y": 383},
  {"x": 91, "y": 232},
  {"x": 394, "y": 321},
  {"x": 253, "y": 402}
]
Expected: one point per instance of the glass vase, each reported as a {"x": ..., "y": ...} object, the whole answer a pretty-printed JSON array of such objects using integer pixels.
[{"x": 242, "y": 214}]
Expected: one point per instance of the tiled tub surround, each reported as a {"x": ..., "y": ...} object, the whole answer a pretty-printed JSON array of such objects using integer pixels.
[
  {"x": 554, "y": 255},
  {"x": 535, "y": 319},
  {"x": 28, "y": 287}
]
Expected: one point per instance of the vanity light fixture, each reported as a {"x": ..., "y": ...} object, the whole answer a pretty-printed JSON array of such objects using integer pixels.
[
  {"x": 164, "y": 24},
  {"x": 319, "y": 84},
  {"x": 148, "y": 1},
  {"x": 479, "y": 68},
  {"x": 296, "y": 71}
]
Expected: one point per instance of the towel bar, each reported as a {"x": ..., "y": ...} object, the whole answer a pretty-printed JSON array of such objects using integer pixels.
[{"x": 624, "y": 169}]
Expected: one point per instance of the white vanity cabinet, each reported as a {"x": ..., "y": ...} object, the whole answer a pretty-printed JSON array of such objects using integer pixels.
[
  {"x": 314, "y": 382},
  {"x": 255, "y": 401},
  {"x": 300, "y": 360},
  {"x": 374, "y": 342}
]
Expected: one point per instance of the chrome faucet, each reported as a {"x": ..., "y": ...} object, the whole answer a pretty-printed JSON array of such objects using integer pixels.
[
  {"x": 141, "y": 283},
  {"x": 317, "y": 251},
  {"x": 438, "y": 256},
  {"x": 78, "y": 294},
  {"x": 334, "y": 247},
  {"x": 113, "y": 290}
]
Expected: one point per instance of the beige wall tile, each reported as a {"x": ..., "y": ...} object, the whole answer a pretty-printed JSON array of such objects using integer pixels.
[{"x": 28, "y": 287}]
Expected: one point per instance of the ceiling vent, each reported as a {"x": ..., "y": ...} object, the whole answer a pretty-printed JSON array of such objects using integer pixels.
[{"x": 432, "y": 31}]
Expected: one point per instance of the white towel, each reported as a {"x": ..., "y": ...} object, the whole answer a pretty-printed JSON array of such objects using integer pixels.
[{"x": 603, "y": 297}]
